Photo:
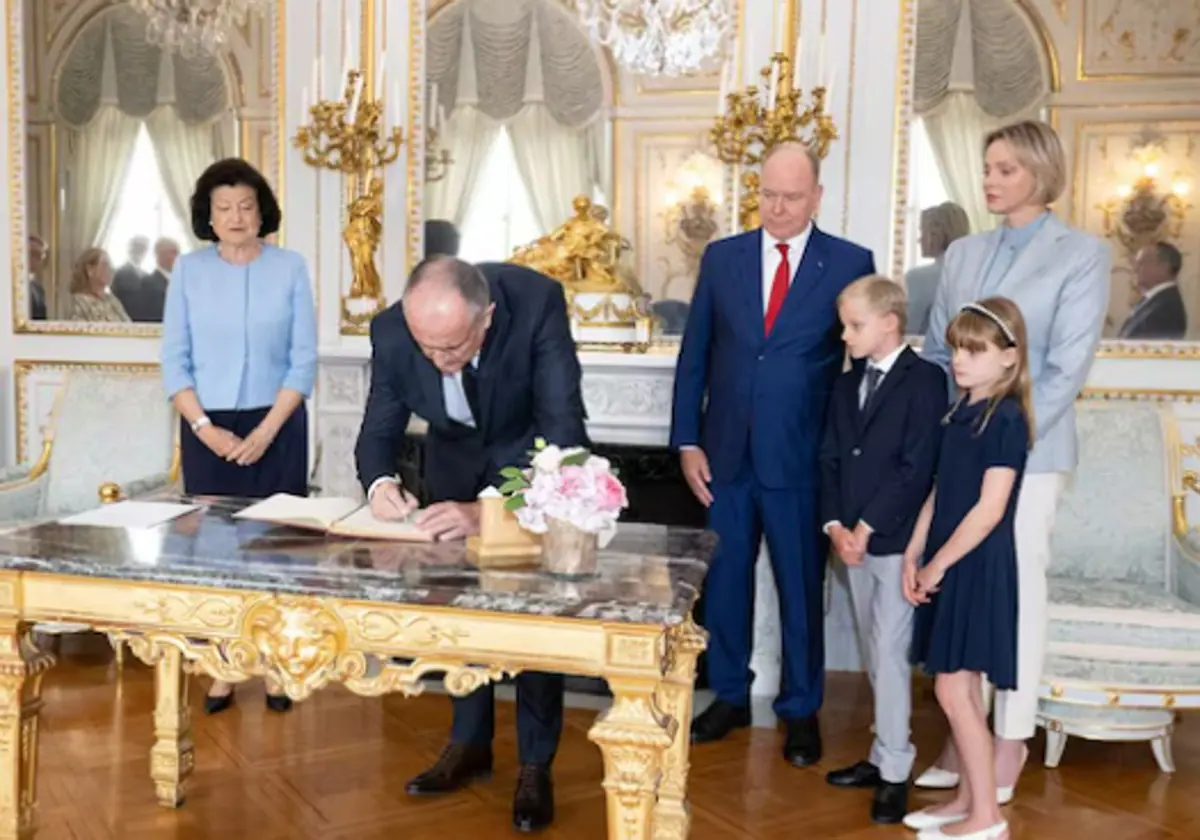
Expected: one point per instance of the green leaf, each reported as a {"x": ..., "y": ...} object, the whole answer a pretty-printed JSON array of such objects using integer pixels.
[
  {"x": 509, "y": 487},
  {"x": 512, "y": 472},
  {"x": 514, "y": 503},
  {"x": 576, "y": 460}
]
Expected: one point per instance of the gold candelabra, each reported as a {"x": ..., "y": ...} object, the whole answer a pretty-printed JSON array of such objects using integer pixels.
[
  {"x": 755, "y": 120},
  {"x": 349, "y": 136}
]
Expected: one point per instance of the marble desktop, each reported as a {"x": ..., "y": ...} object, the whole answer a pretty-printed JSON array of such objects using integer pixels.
[{"x": 649, "y": 574}]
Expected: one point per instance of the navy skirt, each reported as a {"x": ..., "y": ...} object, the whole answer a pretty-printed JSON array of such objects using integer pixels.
[{"x": 283, "y": 468}]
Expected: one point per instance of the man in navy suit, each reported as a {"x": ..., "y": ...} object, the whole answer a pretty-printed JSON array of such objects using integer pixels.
[
  {"x": 485, "y": 356},
  {"x": 762, "y": 342}
]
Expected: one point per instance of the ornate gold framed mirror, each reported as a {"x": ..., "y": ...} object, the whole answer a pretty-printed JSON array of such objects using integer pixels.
[{"x": 110, "y": 123}]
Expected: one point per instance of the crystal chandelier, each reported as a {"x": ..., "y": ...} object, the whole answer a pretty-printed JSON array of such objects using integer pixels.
[
  {"x": 191, "y": 27},
  {"x": 660, "y": 37}
]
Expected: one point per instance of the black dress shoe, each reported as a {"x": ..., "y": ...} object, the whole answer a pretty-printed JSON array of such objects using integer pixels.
[
  {"x": 279, "y": 702},
  {"x": 533, "y": 804},
  {"x": 890, "y": 803},
  {"x": 861, "y": 775},
  {"x": 456, "y": 767},
  {"x": 802, "y": 746},
  {"x": 216, "y": 705},
  {"x": 718, "y": 720}
]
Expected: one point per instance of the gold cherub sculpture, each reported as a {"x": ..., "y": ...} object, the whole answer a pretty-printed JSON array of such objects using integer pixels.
[{"x": 583, "y": 253}]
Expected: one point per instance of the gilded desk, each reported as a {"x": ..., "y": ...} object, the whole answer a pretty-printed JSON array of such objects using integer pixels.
[{"x": 233, "y": 599}]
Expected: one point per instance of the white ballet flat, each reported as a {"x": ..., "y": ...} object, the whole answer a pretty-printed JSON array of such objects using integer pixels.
[
  {"x": 927, "y": 821},
  {"x": 992, "y": 832},
  {"x": 935, "y": 778}
]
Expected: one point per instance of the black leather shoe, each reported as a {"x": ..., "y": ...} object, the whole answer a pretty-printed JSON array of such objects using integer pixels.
[
  {"x": 279, "y": 702},
  {"x": 533, "y": 803},
  {"x": 456, "y": 767},
  {"x": 802, "y": 746},
  {"x": 216, "y": 705},
  {"x": 890, "y": 803},
  {"x": 718, "y": 720},
  {"x": 861, "y": 775}
]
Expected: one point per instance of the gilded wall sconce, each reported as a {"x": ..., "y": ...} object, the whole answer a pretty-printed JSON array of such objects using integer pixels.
[
  {"x": 1142, "y": 213},
  {"x": 691, "y": 223},
  {"x": 755, "y": 120},
  {"x": 349, "y": 136}
]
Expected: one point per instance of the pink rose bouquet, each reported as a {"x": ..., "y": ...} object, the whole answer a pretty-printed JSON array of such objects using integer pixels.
[{"x": 571, "y": 485}]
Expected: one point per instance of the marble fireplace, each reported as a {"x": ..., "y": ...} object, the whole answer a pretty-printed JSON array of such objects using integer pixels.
[{"x": 628, "y": 400}]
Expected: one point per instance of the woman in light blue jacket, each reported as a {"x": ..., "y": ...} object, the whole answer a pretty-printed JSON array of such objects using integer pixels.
[
  {"x": 1060, "y": 278},
  {"x": 239, "y": 352}
]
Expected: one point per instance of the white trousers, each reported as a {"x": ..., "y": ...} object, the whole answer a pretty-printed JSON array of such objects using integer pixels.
[{"x": 1015, "y": 716}]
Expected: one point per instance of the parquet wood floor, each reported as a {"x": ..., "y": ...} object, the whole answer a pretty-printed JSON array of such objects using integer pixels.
[{"x": 334, "y": 769}]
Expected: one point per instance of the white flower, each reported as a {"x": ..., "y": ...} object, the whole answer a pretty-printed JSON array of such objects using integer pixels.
[{"x": 548, "y": 459}]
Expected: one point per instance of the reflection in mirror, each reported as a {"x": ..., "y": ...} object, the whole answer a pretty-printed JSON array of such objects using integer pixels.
[
  {"x": 978, "y": 66},
  {"x": 519, "y": 101},
  {"x": 117, "y": 132}
]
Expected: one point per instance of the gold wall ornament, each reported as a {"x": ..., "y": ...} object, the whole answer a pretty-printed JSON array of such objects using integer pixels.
[
  {"x": 437, "y": 157},
  {"x": 349, "y": 136},
  {"x": 691, "y": 223},
  {"x": 755, "y": 120}
]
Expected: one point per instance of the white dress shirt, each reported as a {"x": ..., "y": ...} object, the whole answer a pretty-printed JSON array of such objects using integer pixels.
[
  {"x": 884, "y": 366},
  {"x": 771, "y": 258},
  {"x": 458, "y": 409}
]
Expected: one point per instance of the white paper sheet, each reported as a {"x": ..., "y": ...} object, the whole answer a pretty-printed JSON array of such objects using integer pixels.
[
  {"x": 282, "y": 507},
  {"x": 130, "y": 515}
]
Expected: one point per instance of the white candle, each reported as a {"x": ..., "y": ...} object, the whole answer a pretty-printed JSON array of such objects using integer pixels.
[
  {"x": 305, "y": 106},
  {"x": 394, "y": 110},
  {"x": 441, "y": 121},
  {"x": 316, "y": 77},
  {"x": 379, "y": 78},
  {"x": 774, "y": 85},
  {"x": 346, "y": 53},
  {"x": 358, "y": 86},
  {"x": 821, "y": 58},
  {"x": 724, "y": 88},
  {"x": 797, "y": 81}
]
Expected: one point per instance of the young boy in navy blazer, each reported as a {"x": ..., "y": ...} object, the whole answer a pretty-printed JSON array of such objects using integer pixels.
[{"x": 878, "y": 456}]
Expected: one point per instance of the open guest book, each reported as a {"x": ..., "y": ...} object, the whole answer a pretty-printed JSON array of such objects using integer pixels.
[{"x": 333, "y": 515}]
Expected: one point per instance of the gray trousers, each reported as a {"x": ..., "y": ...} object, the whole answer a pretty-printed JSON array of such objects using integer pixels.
[{"x": 885, "y": 623}]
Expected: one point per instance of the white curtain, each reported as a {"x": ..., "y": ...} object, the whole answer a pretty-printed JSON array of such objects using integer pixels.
[
  {"x": 554, "y": 163},
  {"x": 95, "y": 166},
  {"x": 554, "y": 159},
  {"x": 183, "y": 152},
  {"x": 469, "y": 135},
  {"x": 956, "y": 128}
]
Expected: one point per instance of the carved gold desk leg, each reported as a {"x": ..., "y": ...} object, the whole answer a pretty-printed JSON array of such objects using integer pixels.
[
  {"x": 672, "y": 817},
  {"x": 632, "y": 734},
  {"x": 22, "y": 666},
  {"x": 171, "y": 757}
]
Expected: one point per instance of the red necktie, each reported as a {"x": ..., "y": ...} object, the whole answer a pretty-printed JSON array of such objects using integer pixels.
[{"x": 779, "y": 287}]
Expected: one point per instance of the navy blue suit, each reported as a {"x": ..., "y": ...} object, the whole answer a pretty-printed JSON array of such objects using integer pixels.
[
  {"x": 878, "y": 462},
  {"x": 527, "y": 386},
  {"x": 761, "y": 430}
]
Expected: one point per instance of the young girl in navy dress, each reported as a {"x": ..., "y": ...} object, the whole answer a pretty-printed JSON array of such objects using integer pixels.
[{"x": 966, "y": 588}]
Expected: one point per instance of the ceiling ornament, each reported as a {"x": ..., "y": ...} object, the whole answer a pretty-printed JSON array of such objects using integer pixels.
[
  {"x": 192, "y": 27},
  {"x": 661, "y": 37}
]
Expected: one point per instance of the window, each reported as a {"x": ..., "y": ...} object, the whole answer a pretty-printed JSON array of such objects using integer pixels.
[
  {"x": 925, "y": 189},
  {"x": 500, "y": 215},
  {"x": 143, "y": 207}
]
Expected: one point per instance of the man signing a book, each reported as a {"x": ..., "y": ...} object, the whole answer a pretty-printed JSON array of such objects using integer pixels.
[{"x": 485, "y": 355}]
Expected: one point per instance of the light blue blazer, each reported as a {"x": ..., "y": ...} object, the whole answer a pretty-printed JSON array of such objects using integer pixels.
[{"x": 1061, "y": 282}]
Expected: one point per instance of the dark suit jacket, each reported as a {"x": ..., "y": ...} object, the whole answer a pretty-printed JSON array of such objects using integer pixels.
[
  {"x": 878, "y": 464},
  {"x": 528, "y": 386},
  {"x": 1162, "y": 317},
  {"x": 779, "y": 385},
  {"x": 127, "y": 281}
]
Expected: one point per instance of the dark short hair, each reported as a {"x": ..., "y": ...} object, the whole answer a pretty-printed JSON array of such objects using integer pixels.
[
  {"x": 441, "y": 237},
  {"x": 232, "y": 172},
  {"x": 1169, "y": 256},
  {"x": 462, "y": 277}
]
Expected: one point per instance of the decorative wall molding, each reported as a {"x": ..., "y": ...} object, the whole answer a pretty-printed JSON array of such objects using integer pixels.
[{"x": 1132, "y": 39}]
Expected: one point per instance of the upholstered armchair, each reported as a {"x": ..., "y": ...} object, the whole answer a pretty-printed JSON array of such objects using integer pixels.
[
  {"x": 111, "y": 435},
  {"x": 106, "y": 428}
]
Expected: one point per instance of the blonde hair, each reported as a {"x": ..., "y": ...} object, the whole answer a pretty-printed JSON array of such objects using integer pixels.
[
  {"x": 90, "y": 258},
  {"x": 882, "y": 295},
  {"x": 995, "y": 321},
  {"x": 1038, "y": 149},
  {"x": 943, "y": 224}
]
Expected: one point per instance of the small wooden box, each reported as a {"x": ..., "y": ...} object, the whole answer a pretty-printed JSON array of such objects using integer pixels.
[{"x": 502, "y": 542}]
